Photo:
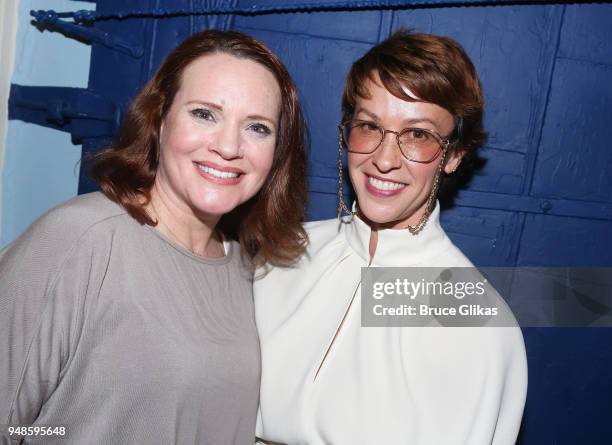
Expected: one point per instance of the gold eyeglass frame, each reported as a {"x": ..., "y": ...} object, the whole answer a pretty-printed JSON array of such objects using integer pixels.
[{"x": 443, "y": 143}]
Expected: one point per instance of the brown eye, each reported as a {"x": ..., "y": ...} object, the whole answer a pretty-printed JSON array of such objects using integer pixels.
[
  {"x": 366, "y": 127},
  {"x": 203, "y": 114},
  {"x": 417, "y": 138},
  {"x": 417, "y": 133},
  {"x": 261, "y": 129}
]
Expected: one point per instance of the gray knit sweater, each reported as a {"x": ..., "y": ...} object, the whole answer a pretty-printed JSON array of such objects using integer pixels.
[{"x": 120, "y": 335}]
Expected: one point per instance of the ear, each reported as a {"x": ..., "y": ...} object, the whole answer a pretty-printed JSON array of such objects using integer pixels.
[{"x": 454, "y": 159}]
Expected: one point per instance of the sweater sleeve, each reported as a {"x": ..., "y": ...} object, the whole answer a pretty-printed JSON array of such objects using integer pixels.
[
  {"x": 44, "y": 278},
  {"x": 514, "y": 392}
]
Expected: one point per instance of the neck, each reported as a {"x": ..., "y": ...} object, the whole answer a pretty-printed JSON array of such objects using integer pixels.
[
  {"x": 178, "y": 222},
  {"x": 412, "y": 221}
]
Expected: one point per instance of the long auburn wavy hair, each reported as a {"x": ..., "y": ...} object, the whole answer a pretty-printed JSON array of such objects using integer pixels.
[{"x": 268, "y": 226}]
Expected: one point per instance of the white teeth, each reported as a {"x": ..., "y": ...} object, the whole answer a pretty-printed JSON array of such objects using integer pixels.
[
  {"x": 217, "y": 173},
  {"x": 385, "y": 185}
]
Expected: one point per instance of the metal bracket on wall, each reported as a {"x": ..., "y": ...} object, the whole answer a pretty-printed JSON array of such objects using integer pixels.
[
  {"x": 51, "y": 19},
  {"x": 76, "y": 110},
  {"x": 253, "y": 8}
]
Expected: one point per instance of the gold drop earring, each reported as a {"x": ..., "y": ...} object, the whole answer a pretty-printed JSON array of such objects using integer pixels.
[
  {"x": 343, "y": 210},
  {"x": 431, "y": 201}
]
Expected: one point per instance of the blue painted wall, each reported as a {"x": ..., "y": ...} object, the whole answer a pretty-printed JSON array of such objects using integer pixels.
[
  {"x": 544, "y": 196},
  {"x": 40, "y": 164}
]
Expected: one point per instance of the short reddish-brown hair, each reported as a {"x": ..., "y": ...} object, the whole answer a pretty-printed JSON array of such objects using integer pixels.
[
  {"x": 437, "y": 70},
  {"x": 269, "y": 225}
]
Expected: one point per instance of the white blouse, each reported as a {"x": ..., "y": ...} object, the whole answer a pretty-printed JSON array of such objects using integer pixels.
[{"x": 389, "y": 385}]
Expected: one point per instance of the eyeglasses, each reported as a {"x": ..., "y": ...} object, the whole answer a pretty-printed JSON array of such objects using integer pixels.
[{"x": 415, "y": 144}]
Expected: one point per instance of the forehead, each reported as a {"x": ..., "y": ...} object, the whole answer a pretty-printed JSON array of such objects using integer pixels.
[
  {"x": 388, "y": 107},
  {"x": 227, "y": 79}
]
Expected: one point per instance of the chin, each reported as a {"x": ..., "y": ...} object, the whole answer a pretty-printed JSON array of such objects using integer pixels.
[
  {"x": 388, "y": 215},
  {"x": 215, "y": 209},
  {"x": 378, "y": 214}
]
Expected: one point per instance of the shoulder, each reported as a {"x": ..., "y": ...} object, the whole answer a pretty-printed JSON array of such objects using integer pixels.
[
  {"x": 452, "y": 256},
  {"x": 59, "y": 256},
  {"x": 327, "y": 228},
  {"x": 322, "y": 233},
  {"x": 326, "y": 243},
  {"x": 80, "y": 213},
  {"x": 73, "y": 218},
  {"x": 56, "y": 233},
  {"x": 446, "y": 253}
]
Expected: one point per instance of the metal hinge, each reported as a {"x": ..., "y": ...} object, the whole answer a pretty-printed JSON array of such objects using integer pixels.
[
  {"x": 52, "y": 19},
  {"x": 78, "y": 111}
]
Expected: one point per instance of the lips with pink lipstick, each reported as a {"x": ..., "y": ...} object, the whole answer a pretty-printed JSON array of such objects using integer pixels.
[
  {"x": 218, "y": 174},
  {"x": 383, "y": 187}
]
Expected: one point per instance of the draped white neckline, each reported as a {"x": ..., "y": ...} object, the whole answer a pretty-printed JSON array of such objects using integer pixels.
[{"x": 398, "y": 247}]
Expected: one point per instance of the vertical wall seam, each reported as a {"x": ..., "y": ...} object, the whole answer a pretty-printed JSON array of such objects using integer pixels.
[
  {"x": 153, "y": 39},
  {"x": 386, "y": 25},
  {"x": 532, "y": 160},
  {"x": 533, "y": 156},
  {"x": 228, "y": 22},
  {"x": 192, "y": 26}
]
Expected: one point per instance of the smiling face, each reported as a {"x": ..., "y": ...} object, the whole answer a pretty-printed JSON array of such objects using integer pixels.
[
  {"x": 218, "y": 138},
  {"x": 391, "y": 190}
]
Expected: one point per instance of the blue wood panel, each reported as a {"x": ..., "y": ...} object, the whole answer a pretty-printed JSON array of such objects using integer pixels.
[
  {"x": 568, "y": 401},
  {"x": 513, "y": 49},
  {"x": 504, "y": 171},
  {"x": 560, "y": 241},
  {"x": 116, "y": 75},
  {"x": 488, "y": 235},
  {"x": 354, "y": 26},
  {"x": 319, "y": 206},
  {"x": 587, "y": 33},
  {"x": 575, "y": 156}
]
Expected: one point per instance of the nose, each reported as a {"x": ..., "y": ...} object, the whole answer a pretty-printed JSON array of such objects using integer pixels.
[
  {"x": 228, "y": 143},
  {"x": 387, "y": 156}
]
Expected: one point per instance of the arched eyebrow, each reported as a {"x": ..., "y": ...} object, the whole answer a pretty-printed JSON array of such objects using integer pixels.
[
  {"x": 420, "y": 120},
  {"x": 205, "y": 103},
  {"x": 259, "y": 117},
  {"x": 406, "y": 122},
  {"x": 369, "y": 113}
]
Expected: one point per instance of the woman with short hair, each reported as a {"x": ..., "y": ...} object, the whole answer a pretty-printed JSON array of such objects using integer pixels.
[{"x": 412, "y": 118}]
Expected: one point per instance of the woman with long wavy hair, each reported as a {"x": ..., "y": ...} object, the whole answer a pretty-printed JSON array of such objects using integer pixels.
[{"x": 127, "y": 314}]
